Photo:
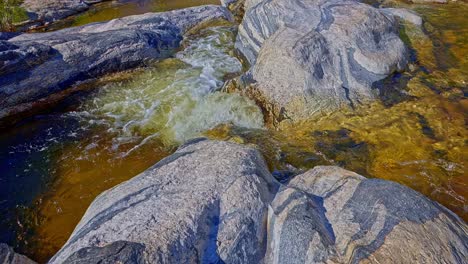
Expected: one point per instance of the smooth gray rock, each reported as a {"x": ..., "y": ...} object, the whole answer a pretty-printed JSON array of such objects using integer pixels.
[
  {"x": 34, "y": 66},
  {"x": 206, "y": 203},
  {"x": 8, "y": 256},
  {"x": 330, "y": 215},
  {"x": 314, "y": 55}
]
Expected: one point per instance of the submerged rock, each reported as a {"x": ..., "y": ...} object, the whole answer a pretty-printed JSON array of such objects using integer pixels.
[
  {"x": 206, "y": 203},
  {"x": 8, "y": 256},
  {"x": 330, "y": 215},
  {"x": 34, "y": 66},
  {"x": 314, "y": 55}
]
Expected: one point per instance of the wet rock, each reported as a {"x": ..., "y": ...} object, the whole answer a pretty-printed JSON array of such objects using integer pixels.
[
  {"x": 34, "y": 66},
  {"x": 8, "y": 256},
  {"x": 236, "y": 7},
  {"x": 330, "y": 215},
  {"x": 51, "y": 10},
  {"x": 311, "y": 56},
  {"x": 206, "y": 203}
]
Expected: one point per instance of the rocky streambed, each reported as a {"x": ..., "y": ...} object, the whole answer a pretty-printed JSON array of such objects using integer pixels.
[{"x": 297, "y": 84}]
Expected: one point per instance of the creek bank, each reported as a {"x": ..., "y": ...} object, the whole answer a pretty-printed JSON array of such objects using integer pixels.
[
  {"x": 192, "y": 208},
  {"x": 315, "y": 56},
  {"x": 38, "y": 65}
]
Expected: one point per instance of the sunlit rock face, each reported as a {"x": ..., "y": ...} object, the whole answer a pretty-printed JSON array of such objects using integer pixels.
[
  {"x": 311, "y": 55},
  {"x": 331, "y": 215},
  {"x": 206, "y": 203},
  {"x": 34, "y": 66}
]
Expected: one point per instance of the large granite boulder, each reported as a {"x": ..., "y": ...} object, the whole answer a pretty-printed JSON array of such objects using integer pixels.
[
  {"x": 330, "y": 215},
  {"x": 8, "y": 256},
  {"x": 206, "y": 203},
  {"x": 34, "y": 66},
  {"x": 314, "y": 55}
]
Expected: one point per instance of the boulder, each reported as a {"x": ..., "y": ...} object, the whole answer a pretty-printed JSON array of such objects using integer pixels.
[
  {"x": 34, "y": 66},
  {"x": 309, "y": 56},
  {"x": 206, "y": 203},
  {"x": 330, "y": 215},
  {"x": 8, "y": 256}
]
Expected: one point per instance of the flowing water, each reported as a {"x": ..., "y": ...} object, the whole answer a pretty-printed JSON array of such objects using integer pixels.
[{"x": 53, "y": 165}]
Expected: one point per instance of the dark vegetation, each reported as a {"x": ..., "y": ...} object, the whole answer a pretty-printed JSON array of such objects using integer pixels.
[{"x": 11, "y": 12}]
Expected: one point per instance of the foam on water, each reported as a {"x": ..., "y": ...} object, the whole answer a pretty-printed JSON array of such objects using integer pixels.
[{"x": 177, "y": 99}]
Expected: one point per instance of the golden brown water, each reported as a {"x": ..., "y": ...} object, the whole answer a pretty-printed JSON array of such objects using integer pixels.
[
  {"x": 418, "y": 139},
  {"x": 80, "y": 177},
  {"x": 120, "y": 8}
]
